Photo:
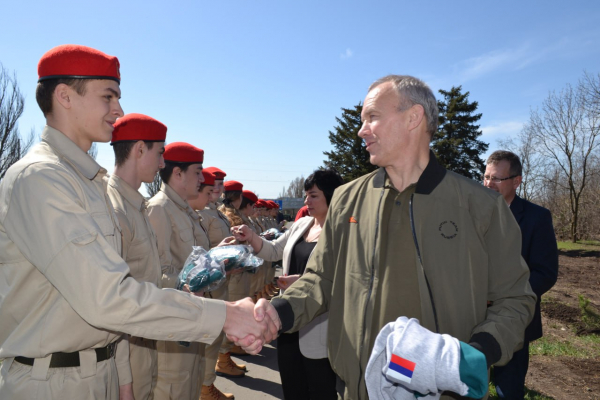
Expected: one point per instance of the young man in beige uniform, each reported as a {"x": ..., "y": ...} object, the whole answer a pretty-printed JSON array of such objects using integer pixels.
[
  {"x": 218, "y": 227},
  {"x": 138, "y": 143},
  {"x": 178, "y": 230},
  {"x": 217, "y": 230},
  {"x": 65, "y": 292}
]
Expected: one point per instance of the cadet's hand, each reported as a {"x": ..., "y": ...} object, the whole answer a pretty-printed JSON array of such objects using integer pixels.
[
  {"x": 284, "y": 282},
  {"x": 241, "y": 232},
  {"x": 126, "y": 392},
  {"x": 228, "y": 241},
  {"x": 186, "y": 288}
]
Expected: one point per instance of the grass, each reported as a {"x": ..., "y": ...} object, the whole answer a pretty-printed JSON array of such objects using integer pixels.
[
  {"x": 583, "y": 347},
  {"x": 582, "y": 245},
  {"x": 529, "y": 394},
  {"x": 590, "y": 318}
]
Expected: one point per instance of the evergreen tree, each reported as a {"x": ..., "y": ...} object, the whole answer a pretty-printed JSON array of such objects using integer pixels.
[
  {"x": 455, "y": 144},
  {"x": 349, "y": 157}
]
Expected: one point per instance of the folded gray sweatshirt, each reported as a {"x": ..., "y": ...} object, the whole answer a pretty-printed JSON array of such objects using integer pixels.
[{"x": 409, "y": 361}]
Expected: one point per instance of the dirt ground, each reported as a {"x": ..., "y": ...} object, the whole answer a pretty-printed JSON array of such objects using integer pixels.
[{"x": 567, "y": 377}]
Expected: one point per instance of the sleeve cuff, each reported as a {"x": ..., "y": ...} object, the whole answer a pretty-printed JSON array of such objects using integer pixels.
[
  {"x": 214, "y": 313},
  {"x": 488, "y": 345},
  {"x": 286, "y": 313}
]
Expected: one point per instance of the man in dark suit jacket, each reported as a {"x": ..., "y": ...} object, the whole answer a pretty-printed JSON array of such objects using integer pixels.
[{"x": 503, "y": 174}]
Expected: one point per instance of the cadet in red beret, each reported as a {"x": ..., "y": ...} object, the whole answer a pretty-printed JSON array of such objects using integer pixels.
[
  {"x": 60, "y": 223},
  {"x": 138, "y": 142},
  {"x": 178, "y": 229},
  {"x": 219, "y": 174},
  {"x": 217, "y": 188}
]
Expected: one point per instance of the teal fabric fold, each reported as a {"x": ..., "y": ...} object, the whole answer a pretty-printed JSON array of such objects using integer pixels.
[{"x": 473, "y": 371}]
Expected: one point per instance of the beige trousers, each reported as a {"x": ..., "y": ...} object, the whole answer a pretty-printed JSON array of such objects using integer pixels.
[
  {"x": 92, "y": 380},
  {"x": 180, "y": 371},
  {"x": 211, "y": 353},
  {"x": 143, "y": 358}
]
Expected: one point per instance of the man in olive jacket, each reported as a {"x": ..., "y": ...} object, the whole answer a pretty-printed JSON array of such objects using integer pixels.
[{"x": 410, "y": 239}]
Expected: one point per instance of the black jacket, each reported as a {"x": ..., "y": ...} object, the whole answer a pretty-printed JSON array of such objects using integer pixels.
[{"x": 540, "y": 253}]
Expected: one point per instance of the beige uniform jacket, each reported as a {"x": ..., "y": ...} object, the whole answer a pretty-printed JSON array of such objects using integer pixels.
[
  {"x": 63, "y": 284},
  {"x": 138, "y": 249},
  {"x": 178, "y": 230},
  {"x": 138, "y": 238},
  {"x": 215, "y": 223}
]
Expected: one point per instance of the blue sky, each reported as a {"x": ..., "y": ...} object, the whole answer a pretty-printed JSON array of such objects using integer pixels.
[{"x": 258, "y": 84}]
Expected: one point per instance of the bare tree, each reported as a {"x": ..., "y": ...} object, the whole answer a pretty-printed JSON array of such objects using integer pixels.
[
  {"x": 566, "y": 131},
  {"x": 295, "y": 189},
  {"x": 12, "y": 146},
  {"x": 154, "y": 187},
  {"x": 533, "y": 163}
]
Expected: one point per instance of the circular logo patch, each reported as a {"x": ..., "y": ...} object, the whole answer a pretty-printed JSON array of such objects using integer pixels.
[{"x": 448, "y": 229}]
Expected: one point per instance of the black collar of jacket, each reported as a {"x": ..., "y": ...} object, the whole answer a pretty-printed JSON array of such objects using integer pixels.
[{"x": 431, "y": 177}]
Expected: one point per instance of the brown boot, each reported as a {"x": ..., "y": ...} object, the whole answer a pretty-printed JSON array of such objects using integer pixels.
[
  {"x": 212, "y": 393},
  {"x": 227, "y": 368},
  {"x": 238, "y": 351}
]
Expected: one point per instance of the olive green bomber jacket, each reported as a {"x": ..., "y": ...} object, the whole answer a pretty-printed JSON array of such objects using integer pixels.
[{"x": 468, "y": 253}]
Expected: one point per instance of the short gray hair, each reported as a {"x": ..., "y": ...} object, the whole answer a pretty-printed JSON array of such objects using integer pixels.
[{"x": 413, "y": 91}]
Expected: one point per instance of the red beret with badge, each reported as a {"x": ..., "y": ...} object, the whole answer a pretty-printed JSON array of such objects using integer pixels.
[
  {"x": 219, "y": 174},
  {"x": 209, "y": 177},
  {"x": 181, "y": 152},
  {"x": 250, "y": 196},
  {"x": 134, "y": 127},
  {"x": 72, "y": 61},
  {"x": 233, "y": 186},
  {"x": 273, "y": 205}
]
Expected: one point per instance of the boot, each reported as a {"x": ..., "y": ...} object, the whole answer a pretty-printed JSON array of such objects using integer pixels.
[
  {"x": 227, "y": 368},
  {"x": 238, "y": 351},
  {"x": 239, "y": 366},
  {"x": 212, "y": 393}
]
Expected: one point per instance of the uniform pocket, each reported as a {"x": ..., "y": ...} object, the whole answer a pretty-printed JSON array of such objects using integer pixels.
[{"x": 186, "y": 235}]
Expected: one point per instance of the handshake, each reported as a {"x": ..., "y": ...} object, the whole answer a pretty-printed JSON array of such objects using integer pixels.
[{"x": 250, "y": 325}]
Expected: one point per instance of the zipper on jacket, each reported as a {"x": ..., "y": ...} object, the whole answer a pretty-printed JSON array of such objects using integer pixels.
[
  {"x": 362, "y": 338},
  {"x": 414, "y": 234}
]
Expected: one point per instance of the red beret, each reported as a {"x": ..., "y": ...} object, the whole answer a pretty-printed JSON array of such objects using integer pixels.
[
  {"x": 80, "y": 62},
  {"x": 182, "y": 152},
  {"x": 219, "y": 174},
  {"x": 134, "y": 127},
  {"x": 233, "y": 186},
  {"x": 272, "y": 204},
  {"x": 250, "y": 196},
  {"x": 209, "y": 177},
  {"x": 260, "y": 204}
]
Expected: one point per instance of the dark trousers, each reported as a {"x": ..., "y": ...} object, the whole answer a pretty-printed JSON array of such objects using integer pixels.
[
  {"x": 303, "y": 378},
  {"x": 510, "y": 379}
]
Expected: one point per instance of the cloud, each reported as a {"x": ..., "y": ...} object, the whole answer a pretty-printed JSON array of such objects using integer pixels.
[
  {"x": 501, "y": 130},
  {"x": 511, "y": 59},
  {"x": 349, "y": 53}
]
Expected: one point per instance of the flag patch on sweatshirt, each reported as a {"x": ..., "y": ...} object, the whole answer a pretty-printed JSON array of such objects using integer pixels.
[{"x": 401, "y": 369}]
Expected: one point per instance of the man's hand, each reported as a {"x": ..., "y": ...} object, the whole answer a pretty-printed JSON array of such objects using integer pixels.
[
  {"x": 251, "y": 326},
  {"x": 126, "y": 392}
]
